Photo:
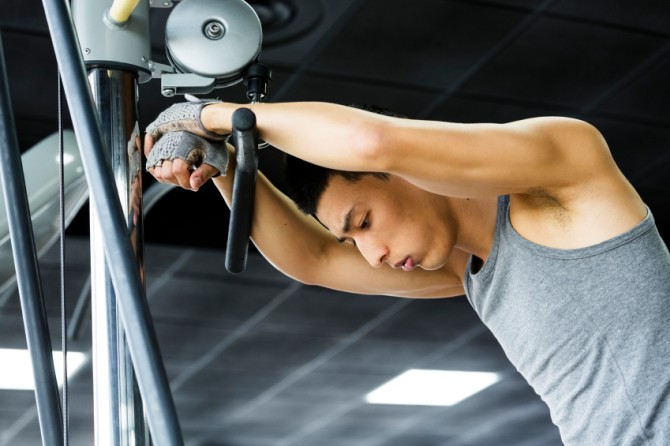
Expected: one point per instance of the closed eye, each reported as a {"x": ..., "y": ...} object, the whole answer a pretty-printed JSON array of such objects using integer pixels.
[
  {"x": 365, "y": 223},
  {"x": 347, "y": 239}
]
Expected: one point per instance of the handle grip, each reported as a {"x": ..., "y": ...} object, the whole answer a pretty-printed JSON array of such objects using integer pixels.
[{"x": 245, "y": 140}]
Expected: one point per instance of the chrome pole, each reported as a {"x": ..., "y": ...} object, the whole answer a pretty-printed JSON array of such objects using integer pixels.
[
  {"x": 119, "y": 251},
  {"x": 118, "y": 409}
]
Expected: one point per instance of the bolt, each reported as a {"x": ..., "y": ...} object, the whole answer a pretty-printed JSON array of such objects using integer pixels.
[
  {"x": 87, "y": 51},
  {"x": 166, "y": 4},
  {"x": 168, "y": 92}
]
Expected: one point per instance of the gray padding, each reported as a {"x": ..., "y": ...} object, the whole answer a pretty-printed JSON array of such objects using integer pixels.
[
  {"x": 183, "y": 116},
  {"x": 193, "y": 149}
]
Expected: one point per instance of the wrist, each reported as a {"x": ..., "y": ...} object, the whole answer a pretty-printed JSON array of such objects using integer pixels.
[{"x": 213, "y": 118}]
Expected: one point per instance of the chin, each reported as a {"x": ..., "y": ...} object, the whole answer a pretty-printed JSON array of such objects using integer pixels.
[{"x": 432, "y": 266}]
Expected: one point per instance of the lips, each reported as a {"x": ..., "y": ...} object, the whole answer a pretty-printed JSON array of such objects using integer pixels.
[{"x": 408, "y": 264}]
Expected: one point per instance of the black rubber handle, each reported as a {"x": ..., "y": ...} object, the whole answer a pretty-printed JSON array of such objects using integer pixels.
[{"x": 245, "y": 140}]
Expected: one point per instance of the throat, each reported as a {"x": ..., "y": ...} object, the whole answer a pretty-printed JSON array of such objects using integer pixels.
[{"x": 477, "y": 224}]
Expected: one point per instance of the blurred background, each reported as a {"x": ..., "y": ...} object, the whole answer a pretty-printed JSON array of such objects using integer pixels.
[{"x": 257, "y": 359}]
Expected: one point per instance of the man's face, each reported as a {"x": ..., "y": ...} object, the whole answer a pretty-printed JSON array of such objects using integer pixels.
[{"x": 391, "y": 222}]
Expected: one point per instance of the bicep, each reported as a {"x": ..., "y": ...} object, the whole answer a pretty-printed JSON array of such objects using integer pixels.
[{"x": 468, "y": 160}]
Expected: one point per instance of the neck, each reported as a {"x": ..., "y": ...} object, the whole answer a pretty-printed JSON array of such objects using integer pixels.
[{"x": 475, "y": 224}]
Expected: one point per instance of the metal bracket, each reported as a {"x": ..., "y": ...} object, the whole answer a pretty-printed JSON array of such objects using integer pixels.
[
  {"x": 159, "y": 69},
  {"x": 105, "y": 44},
  {"x": 173, "y": 83},
  {"x": 182, "y": 83},
  {"x": 161, "y": 3}
]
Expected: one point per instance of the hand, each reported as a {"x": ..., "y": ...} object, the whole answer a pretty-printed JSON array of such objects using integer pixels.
[
  {"x": 184, "y": 159},
  {"x": 182, "y": 117}
]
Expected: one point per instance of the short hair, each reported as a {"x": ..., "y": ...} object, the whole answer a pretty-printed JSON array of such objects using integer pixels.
[{"x": 306, "y": 182}]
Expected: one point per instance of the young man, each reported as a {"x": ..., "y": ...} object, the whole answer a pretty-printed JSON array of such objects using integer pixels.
[{"x": 532, "y": 220}]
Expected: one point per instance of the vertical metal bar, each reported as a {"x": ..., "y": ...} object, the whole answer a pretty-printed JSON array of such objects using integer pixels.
[
  {"x": 118, "y": 409},
  {"x": 119, "y": 254},
  {"x": 27, "y": 272}
]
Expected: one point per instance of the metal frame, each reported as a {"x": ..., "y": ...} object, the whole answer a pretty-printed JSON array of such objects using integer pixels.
[
  {"x": 118, "y": 408},
  {"x": 27, "y": 271},
  {"x": 124, "y": 334},
  {"x": 118, "y": 250}
]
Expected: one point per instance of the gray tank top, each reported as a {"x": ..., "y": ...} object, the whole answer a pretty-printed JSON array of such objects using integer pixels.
[{"x": 588, "y": 328}]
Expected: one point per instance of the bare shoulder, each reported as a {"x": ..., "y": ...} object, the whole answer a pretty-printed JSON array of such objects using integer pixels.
[{"x": 597, "y": 204}]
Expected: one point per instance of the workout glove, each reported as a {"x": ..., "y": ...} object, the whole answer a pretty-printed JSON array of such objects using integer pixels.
[
  {"x": 183, "y": 116},
  {"x": 193, "y": 149}
]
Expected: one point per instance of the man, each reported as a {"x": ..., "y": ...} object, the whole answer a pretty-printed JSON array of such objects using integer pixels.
[{"x": 532, "y": 220}]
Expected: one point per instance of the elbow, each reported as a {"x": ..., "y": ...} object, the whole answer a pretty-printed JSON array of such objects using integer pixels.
[{"x": 370, "y": 146}]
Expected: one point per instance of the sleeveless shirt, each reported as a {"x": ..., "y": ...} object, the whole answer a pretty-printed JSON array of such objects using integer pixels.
[{"x": 588, "y": 328}]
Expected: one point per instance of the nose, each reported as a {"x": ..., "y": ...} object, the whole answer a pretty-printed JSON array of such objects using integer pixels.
[{"x": 374, "y": 252}]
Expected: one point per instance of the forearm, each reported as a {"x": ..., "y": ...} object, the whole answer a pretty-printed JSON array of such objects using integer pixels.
[
  {"x": 301, "y": 248},
  {"x": 330, "y": 135},
  {"x": 291, "y": 241}
]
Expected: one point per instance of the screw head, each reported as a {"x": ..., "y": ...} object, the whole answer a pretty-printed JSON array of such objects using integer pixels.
[
  {"x": 168, "y": 92},
  {"x": 144, "y": 59},
  {"x": 87, "y": 51}
]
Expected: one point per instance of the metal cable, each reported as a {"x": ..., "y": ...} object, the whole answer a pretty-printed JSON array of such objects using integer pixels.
[{"x": 63, "y": 307}]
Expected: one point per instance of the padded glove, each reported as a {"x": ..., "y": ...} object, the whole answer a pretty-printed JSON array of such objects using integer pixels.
[
  {"x": 193, "y": 149},
  {"x": 183, "y": 116}
]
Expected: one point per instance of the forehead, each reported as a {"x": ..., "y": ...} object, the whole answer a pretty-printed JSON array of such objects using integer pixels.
[{"x": 341, "y": 195}]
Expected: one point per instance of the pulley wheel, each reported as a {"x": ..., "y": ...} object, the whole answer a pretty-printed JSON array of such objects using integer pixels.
[{"x": 213, "y": 38}]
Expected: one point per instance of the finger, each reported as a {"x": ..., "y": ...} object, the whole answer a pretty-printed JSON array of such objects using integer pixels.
[
  {"x": 182, "y": 172},
  {"x": 202, "y": 174},
  {"x": 148, "y": 144},
  {"x": 155, "y": 172},
  {"x": 167, "y": 175}
]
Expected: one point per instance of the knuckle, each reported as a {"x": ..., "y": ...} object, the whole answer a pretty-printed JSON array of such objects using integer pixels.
[
  {"x": 167, "y": 175},
  {"x": 179, "y": 168}
]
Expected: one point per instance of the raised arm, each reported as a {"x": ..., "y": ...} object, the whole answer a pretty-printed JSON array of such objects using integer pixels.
[
  {"x": 301, "y": 248},
  {"x": 460, "y": 160}
]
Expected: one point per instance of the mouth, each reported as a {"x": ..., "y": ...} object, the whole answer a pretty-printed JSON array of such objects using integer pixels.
[{"x": 408, "y": 264}]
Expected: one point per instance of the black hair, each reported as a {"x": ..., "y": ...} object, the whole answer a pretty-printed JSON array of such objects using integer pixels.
[{"x": 306, "y": 182}]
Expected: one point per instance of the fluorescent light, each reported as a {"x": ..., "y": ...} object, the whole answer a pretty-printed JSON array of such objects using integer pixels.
[
  {"x": 67, "y": 159},
  {"x": 431, "y": 387},
  {"x": 17, "y": 369}
]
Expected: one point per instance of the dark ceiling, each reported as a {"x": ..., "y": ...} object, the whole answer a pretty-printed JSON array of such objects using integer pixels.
[{"x": 256, "y": 359}]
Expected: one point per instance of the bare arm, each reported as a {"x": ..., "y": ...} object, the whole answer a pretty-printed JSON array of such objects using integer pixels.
[
  {"x": 451, "y": 159},
  {"x": 460, "y": 160},
  {"x": 301, "y": 248}
]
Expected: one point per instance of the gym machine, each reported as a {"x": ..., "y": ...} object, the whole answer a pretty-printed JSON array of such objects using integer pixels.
[{"x": 210, "y": 44}]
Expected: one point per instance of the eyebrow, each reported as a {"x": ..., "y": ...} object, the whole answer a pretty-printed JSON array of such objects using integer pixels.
[
  {"x": 347, "y": 224},
  {"x": 347, "y": 221}
]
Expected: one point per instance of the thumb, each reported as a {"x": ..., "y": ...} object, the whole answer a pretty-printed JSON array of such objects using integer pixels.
[{"x": 201, "y": 175}]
